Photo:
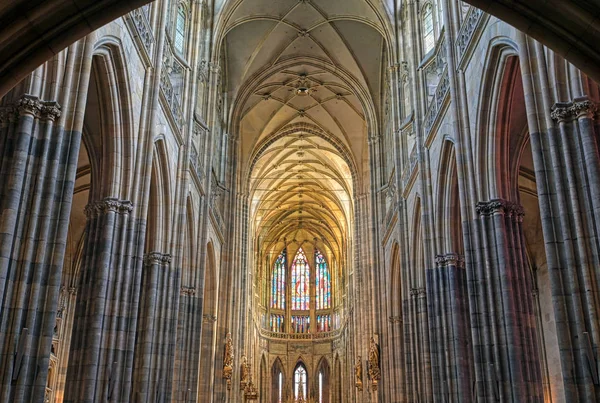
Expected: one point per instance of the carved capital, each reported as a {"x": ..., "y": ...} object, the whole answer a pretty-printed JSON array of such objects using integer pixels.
[
  {"x": 50, "y": 110},
  {"x": 500, "y": 206},
  {"x": 207, "y": 318},
  {"x": 495, "y": 206},
  {"x": 107, "y": 205},
  {"x": 418, "y": 292},
  {"x": 450, "y": 259},
  {"x": 157, "y": 258},
  {"x": 29, "y": 105},
  {"x": 579, "y": 108},
  {"x": 189, "y": 291},
  {"x": 583, "y": 108}
]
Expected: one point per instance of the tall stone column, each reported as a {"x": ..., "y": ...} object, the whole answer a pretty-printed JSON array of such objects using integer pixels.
[
  {"x": 574, "y": 168},
  {"x": 102, "y": 346},
  {"x": 156, "y": 330},
  {"x": 507, "y": 351},
  {"x": 189, "y": 328},
  {"x": 38, "y": 163},
  {"x": 449, "y": 329},
  {"x": 417, "y": 337}
]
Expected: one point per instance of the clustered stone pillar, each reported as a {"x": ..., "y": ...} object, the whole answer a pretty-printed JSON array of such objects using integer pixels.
[
  {"x": 573, "y": 246},
  {"x": 505, "y": 346},
  {"x": 449, "y": 329},
  {"x": 38, "y": 164},
  {"x": 105, "y": 320},
  {"x": 156, "y": 329},
  {"x": 189, "y": 331},
  {"x": 417, "y": 338}
]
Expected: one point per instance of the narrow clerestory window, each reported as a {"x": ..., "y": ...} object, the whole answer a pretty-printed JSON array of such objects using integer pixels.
[
  {"x": 427, "y": 28},
  {"x": 180, "y": 28}
]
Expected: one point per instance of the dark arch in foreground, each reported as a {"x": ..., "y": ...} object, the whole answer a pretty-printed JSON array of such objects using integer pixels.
[{"x": 32, "y": 31}]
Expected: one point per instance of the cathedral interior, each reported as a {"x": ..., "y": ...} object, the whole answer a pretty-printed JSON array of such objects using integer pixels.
[{"x": 299, "y": 201}]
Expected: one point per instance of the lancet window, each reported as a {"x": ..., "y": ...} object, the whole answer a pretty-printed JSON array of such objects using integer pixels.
[
  {"x": 302, "y": 290},
  {"x": 278, "y": 283},
  {"x": 300, "y": 282},
  {"x": 427, "y": 27},
  {"x": 300, "y": 381},
  {"x": 323, "y": 282},
  {"x": 180, "y": 28}
]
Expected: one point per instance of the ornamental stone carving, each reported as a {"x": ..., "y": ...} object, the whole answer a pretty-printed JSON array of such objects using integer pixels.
[
  {"x": 157, "y": 258},
  {"x": 228, "y": 356},
  {"x": 107, "y": 205},
  {"x": 244, "y": 372},
  {"x": 188, "y": 291},
  {"x": 499, "y": 206},
  {"x": 358, "y": 378},
  {"x": 450, "y": 259},
  {"x": 580, "y": 108},
  {"x": 374, "y": 363}
]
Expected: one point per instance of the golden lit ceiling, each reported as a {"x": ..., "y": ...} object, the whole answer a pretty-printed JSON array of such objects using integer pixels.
[{"x": 304, "y": 78}]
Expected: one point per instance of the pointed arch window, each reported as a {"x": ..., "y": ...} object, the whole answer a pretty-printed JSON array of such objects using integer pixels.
[
  {"x": 180, "y": 28},
  {"x": 323, "y": 282},
  {"x": 300, "y": 381},
  {"x": 427, "y": 28},
  {"x": 300, "y": 282},
  {"x": 278, "y": 283}
]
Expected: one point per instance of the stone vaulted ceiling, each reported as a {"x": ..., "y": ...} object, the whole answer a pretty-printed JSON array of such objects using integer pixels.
[{"x": 304, "y": 78}]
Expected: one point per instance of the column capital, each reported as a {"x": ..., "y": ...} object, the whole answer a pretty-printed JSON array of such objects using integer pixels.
[
  {"x": 109, "y": 204},
  {"x": 499, "y": 206},
  {"x": 450, "y": 259},
  {"x": 157, "y": 258},
  {"x": 29, "y": 105},
  {"x": 583, "y": 108},
  {"x": 189, "y": 291}
]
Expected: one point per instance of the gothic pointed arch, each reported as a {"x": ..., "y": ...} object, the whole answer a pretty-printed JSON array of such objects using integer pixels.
[
  {"x": 323, "y": 382},
  {"x": 300, "y": 381},
  {"x": 278, "y": 382}
]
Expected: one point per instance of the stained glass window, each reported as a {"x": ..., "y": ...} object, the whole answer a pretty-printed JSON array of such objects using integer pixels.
[
  {"x": 300, "y": 282},
  {"x": 300, "y": 324},
  {"x": 300, "y": 381},
  {"x": 278, "y": 283},
  {"x": 323, "y": 323},
  {"x": 323, "y": 282},
  {"x": 277, "y": 323}
]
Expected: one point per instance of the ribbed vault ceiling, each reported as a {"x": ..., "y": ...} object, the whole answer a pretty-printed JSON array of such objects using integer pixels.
[{"x": 296, "y": 64}]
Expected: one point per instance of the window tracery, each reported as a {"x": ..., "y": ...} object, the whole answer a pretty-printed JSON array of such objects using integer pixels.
[
  {"x": 300, "y": 381},
  {"x": 278, "y": 283},
  {"x": 305, "y": 289},
  {"x": 323, "y": 282},
  {"x": 300, "y": 282}
]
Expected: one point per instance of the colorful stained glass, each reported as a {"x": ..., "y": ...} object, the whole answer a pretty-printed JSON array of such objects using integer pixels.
[
  {"x": 300, "y": 324},
  {"x": 323, "y": 323},
  {"x": 300, "y": 282},
  {"x": 278, "y": 283},
  {"x": 323, "y": 282},
  {"x": 277, "y": 323}
]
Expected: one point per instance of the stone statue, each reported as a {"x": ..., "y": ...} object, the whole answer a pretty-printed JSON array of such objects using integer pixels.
[
  {"x": 228, "y": 360},
  {"x": 358, "y": 374},
  {"x": 244, "y": 371},
  {"x": 374, "y": 368}
]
